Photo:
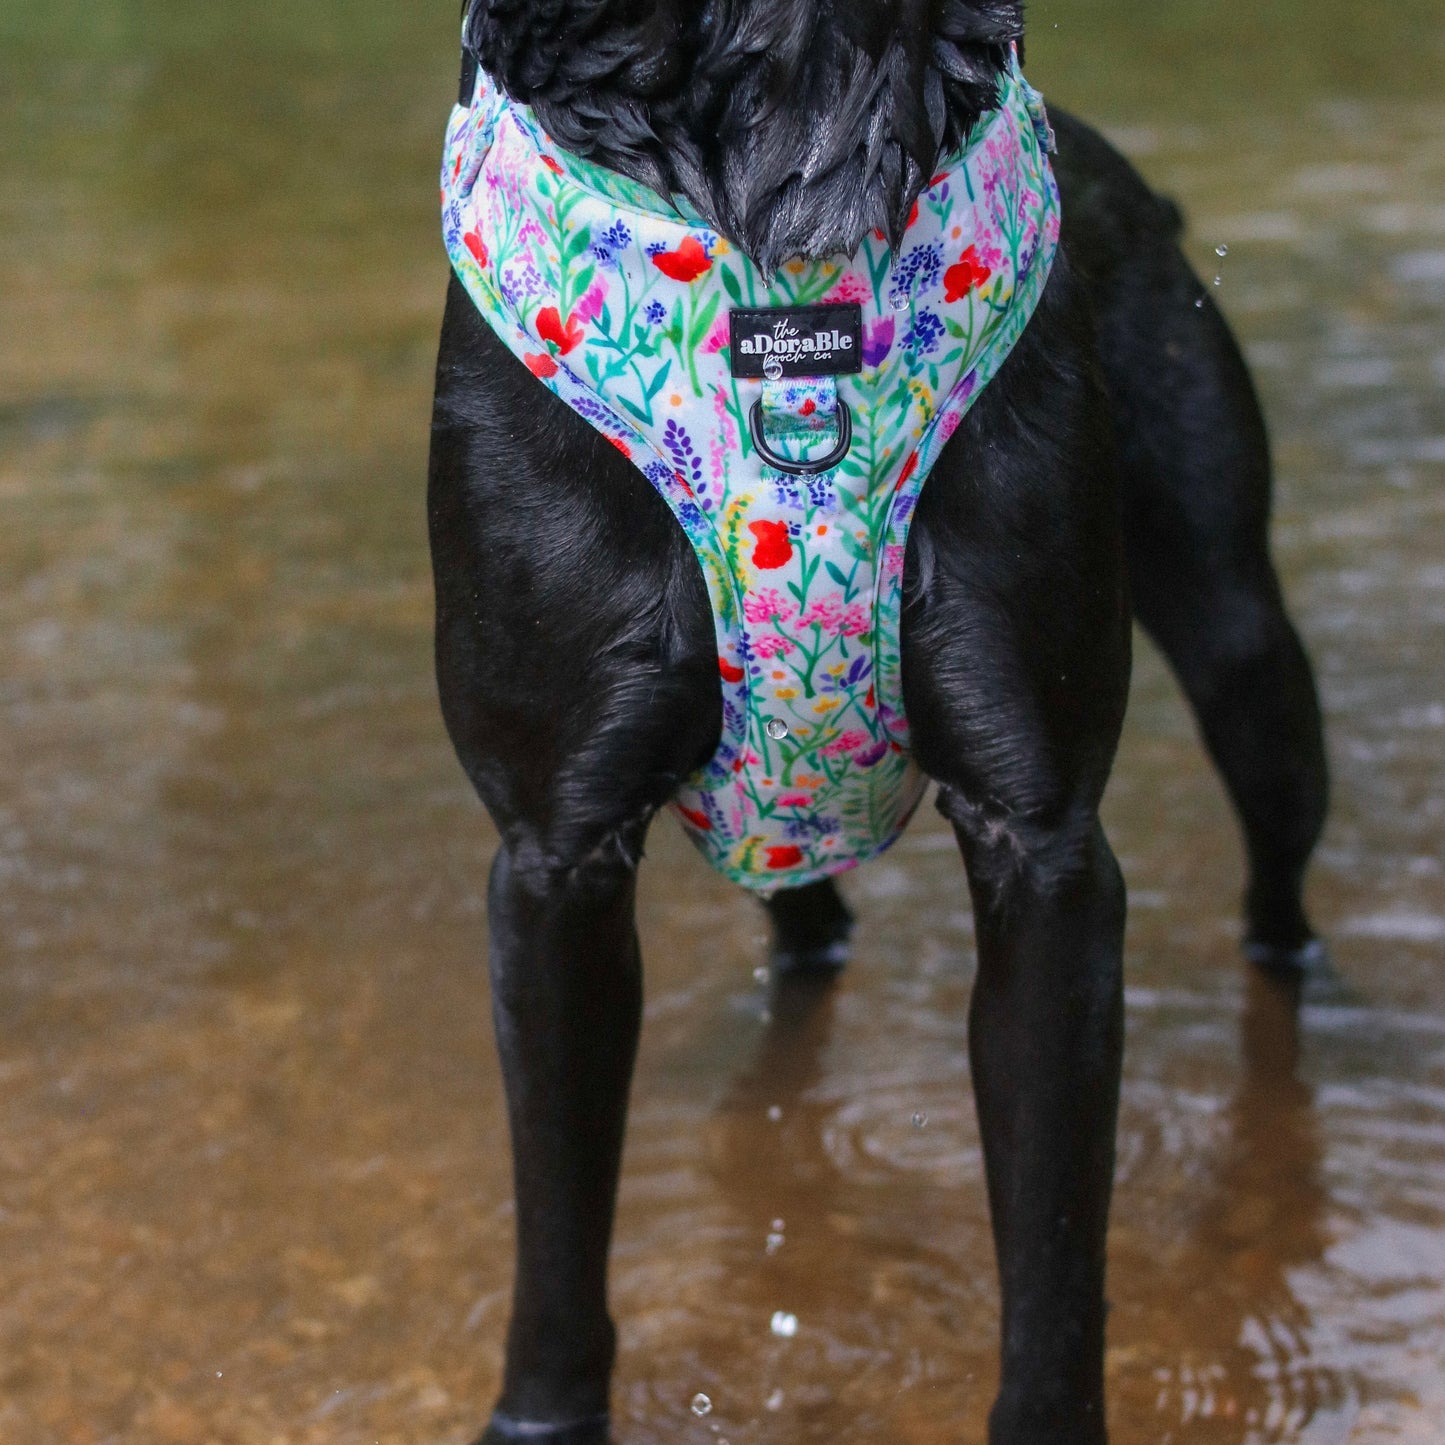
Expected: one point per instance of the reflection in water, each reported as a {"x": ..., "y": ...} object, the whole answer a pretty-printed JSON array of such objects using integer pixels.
[
  {"x": 253, "y": 1182},
  {"x": 1243, "y": 1361}
]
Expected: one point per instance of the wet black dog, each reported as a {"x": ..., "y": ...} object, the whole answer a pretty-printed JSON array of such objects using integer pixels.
[{"x": 1118, "y": 459}]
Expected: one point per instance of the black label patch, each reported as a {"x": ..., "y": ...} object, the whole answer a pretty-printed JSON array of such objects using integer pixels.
[{"x": 779, "y": 341}]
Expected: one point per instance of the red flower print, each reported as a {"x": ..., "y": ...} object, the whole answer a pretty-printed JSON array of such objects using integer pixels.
[
  {"x": 621, "y": 446},
  {"x": 542, "y": 366},
  {"x": 788, "y": 856},
  {"x": 913, "y": 215},
  {"x": 773, "y": 549},
  {"x": 478, "y": 247},
  {"x": 698, "y": 820},
  {"x": 728, "y": 671},
  {"x": 965, "y": 273},
  {"x": 552, "y": 165},
  {"x": 909, "y": 467},
  {"x": 808, "y": 407},
  {"x": 550, "y": 328},
  {"x": 686, "y": 263}
]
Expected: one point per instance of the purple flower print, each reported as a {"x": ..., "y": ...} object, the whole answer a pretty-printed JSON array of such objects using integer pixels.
[
  {"x": 872, "y": 755},
  {"x": 922, "y": 337},
  {"x": 877, "y": 341},
  {"x": 655, "y": 312},
  {"x": 860, "y": 669},
  {"x": 817, "y": 825},
  {"x": 685, "y": 458},
  {"x": 917, "y": 272},
  {"x": 615, "y": 238}
]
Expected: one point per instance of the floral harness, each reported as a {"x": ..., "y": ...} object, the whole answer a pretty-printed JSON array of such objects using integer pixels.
[{"x": 795, "y": 481}]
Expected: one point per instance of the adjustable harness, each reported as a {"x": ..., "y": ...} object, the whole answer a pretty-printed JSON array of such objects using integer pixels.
[{"x": 788, "y": 424}]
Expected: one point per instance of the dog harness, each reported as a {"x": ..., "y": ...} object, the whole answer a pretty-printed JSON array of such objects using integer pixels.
[{"x": 789, "y": 425}]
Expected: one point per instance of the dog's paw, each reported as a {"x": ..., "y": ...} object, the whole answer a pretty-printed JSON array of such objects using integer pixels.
[
  {"x": 825, "y": 958},
  {"x": 508, "y": 1430},
  {"x": 812, "y": 929},
  {"x": 1289, "y": 960}
]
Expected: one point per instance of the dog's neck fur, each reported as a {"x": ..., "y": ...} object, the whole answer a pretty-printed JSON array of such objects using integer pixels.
[{"x": 793, "y": 126}]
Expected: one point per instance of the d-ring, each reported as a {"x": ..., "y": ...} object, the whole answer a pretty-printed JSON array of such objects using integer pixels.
[{"x": 802, "y": 469}]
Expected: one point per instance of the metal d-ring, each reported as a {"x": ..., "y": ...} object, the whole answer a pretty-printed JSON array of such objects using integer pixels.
[{"x": 802, "y": 469}]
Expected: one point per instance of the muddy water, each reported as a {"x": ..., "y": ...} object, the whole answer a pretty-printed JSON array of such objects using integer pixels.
[{"x": 252, "y": 1164}]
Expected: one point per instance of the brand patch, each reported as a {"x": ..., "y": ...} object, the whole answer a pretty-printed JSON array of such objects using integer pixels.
[{"x": 779, "y": 341}]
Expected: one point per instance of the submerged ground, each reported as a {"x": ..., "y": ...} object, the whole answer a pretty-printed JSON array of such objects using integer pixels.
[{"x": 253, "y": 1180}]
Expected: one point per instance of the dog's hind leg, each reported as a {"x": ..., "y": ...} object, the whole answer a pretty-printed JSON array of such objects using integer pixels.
[
  {"x": 1196, "y": 471},
  {"x": 1015, "y": 668},
  {"x": 811, "y": 928}
]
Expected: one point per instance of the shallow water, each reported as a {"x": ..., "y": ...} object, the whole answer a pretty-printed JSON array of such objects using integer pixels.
[{"x": 253, "y": 1181}]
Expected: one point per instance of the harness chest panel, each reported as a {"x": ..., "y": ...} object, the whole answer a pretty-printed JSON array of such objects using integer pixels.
[{"x": 794, "y": 481}]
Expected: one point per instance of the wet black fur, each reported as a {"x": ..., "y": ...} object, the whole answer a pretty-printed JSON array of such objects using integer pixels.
[
  {"x": 795, "y": 127},
  {"x": 1117, "y": 466}
]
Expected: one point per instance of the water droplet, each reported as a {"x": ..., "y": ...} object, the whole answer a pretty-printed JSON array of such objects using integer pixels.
[
  {"x": 919, "y": 1120},
  {"x": 784, "y": 1325},
  {"x": 777, "y": 1224},
  {"x": 1219, "y": 280},
  {"x": 1199, "y": 303},
  {"x": 776, "y": 729},
  {"x": 775, "y": 1242},
  {"x": 775, "y": 1400},
  {"x": 700, "y": 1404},
  {"x": 1221, "y": 250},
  {"x": 760, "y": 974},
  {"x": 899, "y": 301},
  {"x": 774, "y": 1113},
  {"x": 773, "y": 369}
]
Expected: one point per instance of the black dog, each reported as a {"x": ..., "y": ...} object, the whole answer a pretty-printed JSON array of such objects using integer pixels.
[{"x": 1117, "y": 466}]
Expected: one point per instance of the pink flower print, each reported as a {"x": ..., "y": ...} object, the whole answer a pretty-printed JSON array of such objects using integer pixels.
[
  {"x": 770, "y": 645},
  {"x": 795, "y": 800},
  {"x": 892, "y": 561},
  {"x": 589, "y": 308},
  {"x": 717, "y": 338},
  {"x": 829, "y": 614},
  {"x": 765, "y": 604},
  {"x": 826, "y": 613},
  {"x": 846, "y": 742},
  {"x": 724, "y": 436},
  {"x": 849, "y": 287},
  {"x": 988, "y": 253}
]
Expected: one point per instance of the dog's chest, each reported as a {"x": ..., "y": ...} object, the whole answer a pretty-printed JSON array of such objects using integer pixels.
[{"x": 789, "y": 424}]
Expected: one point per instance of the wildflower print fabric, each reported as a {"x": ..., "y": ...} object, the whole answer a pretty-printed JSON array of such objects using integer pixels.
[{"x": 618, "y": 300}]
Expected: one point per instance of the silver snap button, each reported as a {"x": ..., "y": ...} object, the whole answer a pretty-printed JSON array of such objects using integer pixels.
[{"x": 776, "y": 729}]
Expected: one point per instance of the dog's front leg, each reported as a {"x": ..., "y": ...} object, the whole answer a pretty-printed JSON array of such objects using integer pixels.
[
  {"x": 1016, "y": 673},
  {"x": 566, "y": 1000},
  {"x": 1045, "y": 1040}
]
